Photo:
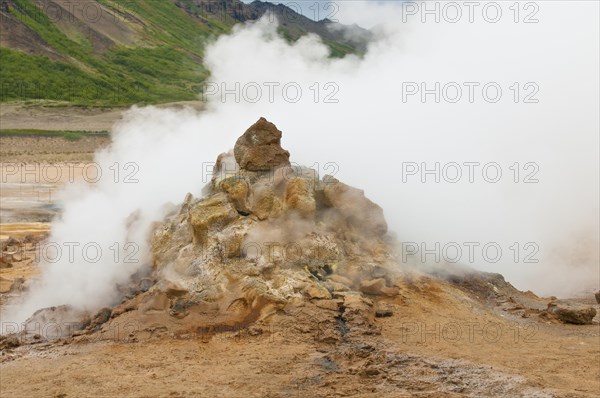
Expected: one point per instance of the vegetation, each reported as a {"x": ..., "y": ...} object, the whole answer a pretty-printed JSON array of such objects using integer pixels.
[
  {"x": 164, "y": 64},
  {"x": 71, "y": 135}
]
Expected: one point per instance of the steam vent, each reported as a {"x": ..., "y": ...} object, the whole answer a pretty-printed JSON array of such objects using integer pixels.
[
  {"x": 269, "y": 237},
  {"x": 271, "y": 245},
  {"x": 268, "y": 244},
  {"x": 266, "y": 239}
]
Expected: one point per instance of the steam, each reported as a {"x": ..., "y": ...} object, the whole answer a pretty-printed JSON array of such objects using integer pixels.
[{"x": 364, "y": 138}]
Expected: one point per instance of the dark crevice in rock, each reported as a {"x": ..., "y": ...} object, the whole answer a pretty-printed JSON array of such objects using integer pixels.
[{"x": 341, "y": 322}]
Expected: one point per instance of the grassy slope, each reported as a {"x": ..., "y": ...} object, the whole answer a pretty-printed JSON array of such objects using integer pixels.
[
  {"x": 70, "y": 135},
  {"x": 167, "y": 68}
]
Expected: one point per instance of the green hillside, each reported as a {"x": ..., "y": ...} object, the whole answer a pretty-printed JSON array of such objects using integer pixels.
[{"x": 108, "y": 53}]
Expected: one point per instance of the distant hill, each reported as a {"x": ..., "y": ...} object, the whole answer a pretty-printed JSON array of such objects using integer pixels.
[{"x": 121, "y": 52}]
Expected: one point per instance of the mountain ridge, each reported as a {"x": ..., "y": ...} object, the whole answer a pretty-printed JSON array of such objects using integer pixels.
[{"x": 111, "y": 53}]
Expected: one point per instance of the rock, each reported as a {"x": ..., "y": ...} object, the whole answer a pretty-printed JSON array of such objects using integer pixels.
[
  {"x": 187, "y": 201},
  {"x": 371, "y": 371},
  {"x": 314, "y": 291},
  {"x": 237, "y": 189},
  {"x": 6, "y": 260},
  {"x": 18, "y": 285},
  {"x": 598, "y": 297},
  {"x": 180, "y": 308},
  {"x": 169, "y": 238},
  {"x": 128, "y": 305},
  {"x": 8, "y": 342},
  {"x": 145, "y": 284},
  {"x": 259, "y": 148},
  {"x": 231, "y": 240},
  {"x": 321, "y": 250},
  {"x": 383, "y": 313},
  {"x": 18, "y": 256},
  {"x": 390, "y": 291},
  {"x": 378, "y": 272},
  {"x": 56, "y": 322},
  {"x": 358, "y": 315},
  {"x": 575, "y": 314},
  {"x": 377, "y": 287},
  {"x": 172, "y": 290},
  {"x": 278, "y": 231},
  {"x": 214, "y": 212},
  {"x": 336, "y": 287},
  {"x": 352, "y": 204},
  {"x": 265, "y": 203},
  {"x": 372, "y": 286},
  {"x": 255, "y": 330},
  {"x": 100, "y": 318},
  {"x": 317, "y": 268},
  {"x": 328, "y": 304},
  {"x": 14, "y": 242},
  {"x": 341, "y": 279},
  {"x": 157, "y": 302},
  {"x": 300, "y": 196}
]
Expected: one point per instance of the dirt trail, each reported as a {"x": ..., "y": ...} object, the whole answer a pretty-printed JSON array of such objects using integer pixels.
[
  {"x": 19, "y": 116},
  {"x": 22, "y": 116}
]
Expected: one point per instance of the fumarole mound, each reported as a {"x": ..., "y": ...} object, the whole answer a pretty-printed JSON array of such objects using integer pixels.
[
  {"x": 267, "y": 237},
  {"x": 271, "y": 243}
]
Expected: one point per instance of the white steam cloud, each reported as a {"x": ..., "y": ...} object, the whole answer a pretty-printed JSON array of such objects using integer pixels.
[{"x": 366, "y": 136}]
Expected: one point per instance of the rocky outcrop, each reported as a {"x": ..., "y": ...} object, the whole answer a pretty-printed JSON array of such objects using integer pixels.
[
  {"x": 259, "y": 148},
  {"x": 238, "y": 192},
  {"x": 265, "y": 203},
  {"x": 56, "y": 322},
  {"x": 9, "y": 251},
  {"x": 266, "y": 239},
  {"x": 575, "y": 314},
  {"x": 269, "y": 235},
  {"x": 18, "y": 252},
  {"x": 212, "y": 214},
  {"x": 300, "y": 197}
]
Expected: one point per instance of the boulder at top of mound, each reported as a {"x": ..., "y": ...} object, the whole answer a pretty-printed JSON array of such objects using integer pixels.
[{"x": 259, "y": 148}]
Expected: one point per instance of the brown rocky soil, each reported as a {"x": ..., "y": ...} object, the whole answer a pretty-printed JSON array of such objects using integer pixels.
[
  {"x": 51, "y": 149},
  {"x": 279, "y": 283},
  {"x": 19, "y": 115},
  {"x": 415, "y": 352},
  {"x": 24, "y": 148}
]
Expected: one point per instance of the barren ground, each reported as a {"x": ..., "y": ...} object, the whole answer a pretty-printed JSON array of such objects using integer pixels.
[
  {"x": 17, "y": 115},
  {"x": 440, "y": 342}
]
